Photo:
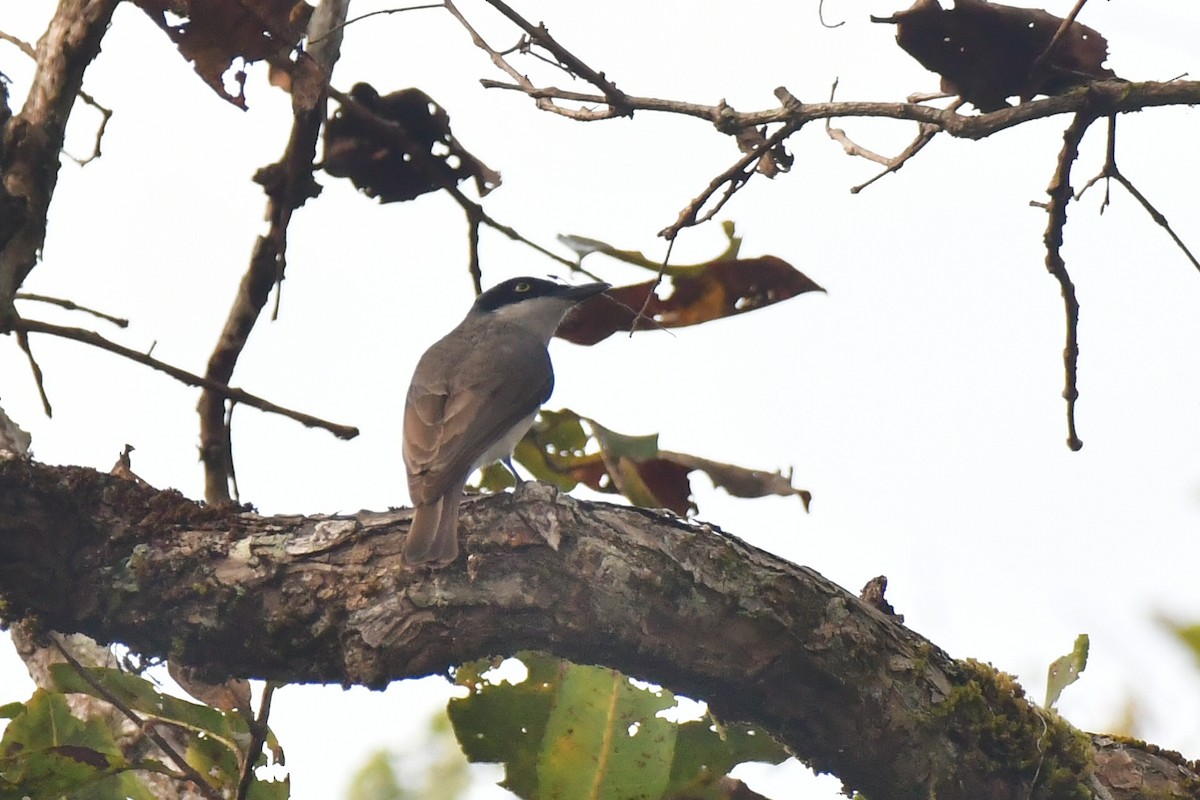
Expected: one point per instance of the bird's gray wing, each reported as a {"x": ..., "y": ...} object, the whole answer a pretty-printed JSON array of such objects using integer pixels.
[{"x": 465, "y": 396}]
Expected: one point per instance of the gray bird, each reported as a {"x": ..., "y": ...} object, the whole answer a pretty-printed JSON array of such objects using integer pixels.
[{"x": 473, "y": 396}]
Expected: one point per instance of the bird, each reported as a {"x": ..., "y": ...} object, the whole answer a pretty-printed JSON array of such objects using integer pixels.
[{"x": 474, "y": 394}]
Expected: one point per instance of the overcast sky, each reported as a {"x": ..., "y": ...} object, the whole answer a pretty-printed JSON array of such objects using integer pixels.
[{"x": 919, "y": 400}]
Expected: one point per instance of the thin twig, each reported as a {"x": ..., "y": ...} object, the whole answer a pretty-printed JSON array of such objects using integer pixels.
[
  {"x": 71, "y": 305},
  {"x": 1110, "y": 172},
  {"x": 1056, "y": 211},
  {"x": 258, "y": 737},
  {"x": 616, "y": 101},
  {"x": 23, "y": 341},
  {"x": 662, "y": 270},
  {"x": 1039, "y": 62},
  {"x": 22, "y": 45},
  {"x": 361, "y": 17},
  {"x": 614, "y": 97},
  {"x": 183, "y": 376},
  {"x": 105, "y": 112},
  {"x": 476, "y": 212},
  {"x": 925, "y": 134},
  {"x": 736, "y": 177},
  {"x": 105, "y": 115},
  {"x": 189, "y": 772}
]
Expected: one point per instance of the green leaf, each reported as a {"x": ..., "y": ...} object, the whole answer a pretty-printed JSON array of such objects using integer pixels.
[
  {"x": 144, "y": 697},
  {"x": 1065, "y": 670},
  {"x": 603, "y": 739},
  {"x": 269, "y": 790},
  {"x": 505, "y": 723},
  {"x": 126, "y": 785},
  {"x": 213, "y": 759},
  {"x": 582, "y": 246},
  {"x": 620, "y": 445},
  {"x": 705, "y": 752},
  {"x": 46, "y": 751}
]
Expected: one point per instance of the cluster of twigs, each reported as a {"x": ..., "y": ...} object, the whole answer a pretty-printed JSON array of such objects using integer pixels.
[
  {"x": 760, "y": 134},
  {"x": 1102, "y": 99}
]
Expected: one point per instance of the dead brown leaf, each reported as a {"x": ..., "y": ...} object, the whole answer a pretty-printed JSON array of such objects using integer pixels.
[
  {"x": 712, "y": 291},
  {"x": 428, "y": 159},
  {"x": 215, "y": 33},
  {"x": 987, "y": 52}
]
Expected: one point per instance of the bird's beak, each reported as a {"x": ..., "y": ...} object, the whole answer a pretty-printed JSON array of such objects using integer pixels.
[{"x": 578, "y": 294}]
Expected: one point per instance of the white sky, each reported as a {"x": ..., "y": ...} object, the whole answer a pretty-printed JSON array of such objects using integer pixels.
[{"x": 919, "y": 400}]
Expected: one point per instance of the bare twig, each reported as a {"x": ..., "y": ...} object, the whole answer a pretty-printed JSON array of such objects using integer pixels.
[
  {"x": 821, "y": 17},
  {"x": 1115, "y": 96},
  {"x": 925, "y": 134},
  {"x": 732, "y": 179},
  {"x": 70, "y": 305},
  {"x": 1110, "y": 172},
  {"x": 1056, "y": 211},
  {"x": 22, "y": 45},
  {"x": 641, "y": 313},
  {"x": 477, "y": 215},
  {"x": 183, "y": 376},
  {"x": 538, "y": 35},
  {"x": 617, "y": 103},
  {"x": 361, "y": 17},
  {"x": 189, "y": 772},
  {"x": 23, "y": 341},
  {"x": 258, "y": 737},
  {"x": 1039, "y": 63},
  {"x": 288, "y": 185},
  {"x": 105, "y": 115}
]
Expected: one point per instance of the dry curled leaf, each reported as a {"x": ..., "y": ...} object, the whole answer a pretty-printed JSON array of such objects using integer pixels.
[
  {"x": 987, "y": 52},
  {"x": 394, "y": 166},
  {"x": 212, "y": 34},
  {"x": 707, "y": 292}
]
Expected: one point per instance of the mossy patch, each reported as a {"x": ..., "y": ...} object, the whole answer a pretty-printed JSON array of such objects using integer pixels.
[{"x": 1000, "y": 733}]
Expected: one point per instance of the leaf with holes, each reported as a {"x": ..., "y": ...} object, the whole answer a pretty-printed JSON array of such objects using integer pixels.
[
  {"x": 987, "y": 52},
  {"x": 1066, "y": 669},
  {"x": 212, "y": 34},
  {"x": 408, "y": 149}
]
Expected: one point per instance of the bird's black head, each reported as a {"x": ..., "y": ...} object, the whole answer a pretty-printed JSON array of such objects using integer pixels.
[{"x": 519, "y": 290}]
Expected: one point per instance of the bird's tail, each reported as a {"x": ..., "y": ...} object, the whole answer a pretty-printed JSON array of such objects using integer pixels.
[{"x": 433, "y": 536}]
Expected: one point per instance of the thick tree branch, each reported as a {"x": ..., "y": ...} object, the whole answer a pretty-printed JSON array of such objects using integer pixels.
[
  {"x": 846, "y": 687},
  {"x": 30, "y": 141}
]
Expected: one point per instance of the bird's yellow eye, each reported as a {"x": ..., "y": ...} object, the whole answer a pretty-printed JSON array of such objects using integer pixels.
[{"x": 522, "y": 287}]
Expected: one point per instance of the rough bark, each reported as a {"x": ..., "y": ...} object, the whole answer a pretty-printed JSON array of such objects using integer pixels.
[
  {"x": 30, "y": 141},
  {"x": 291, "y": 598}
]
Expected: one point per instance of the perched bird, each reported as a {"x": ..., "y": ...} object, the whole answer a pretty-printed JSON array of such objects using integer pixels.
[{"x": 473, "y": 396}]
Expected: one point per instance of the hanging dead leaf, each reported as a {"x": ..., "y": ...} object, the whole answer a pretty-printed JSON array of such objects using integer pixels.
[
  {"x": 707, "y": 292},
  {"x": 393, "y": 166},
  {"x": 740, "y": 481},
  {"x": 215, "y": 33},
  {"x": 556, "y": 450},
  {"x": 987, "y": 52}
]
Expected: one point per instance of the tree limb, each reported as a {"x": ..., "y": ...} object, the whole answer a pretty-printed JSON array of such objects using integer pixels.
[
  {"x": 843, "y": 685},
  {"x": 31, "y": 140},
  {"x": 288, "y": 184}
]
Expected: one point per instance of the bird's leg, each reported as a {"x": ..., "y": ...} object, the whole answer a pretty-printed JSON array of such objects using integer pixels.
[{"x": 508, "y": 462}]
